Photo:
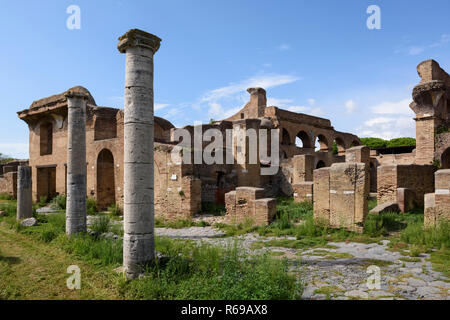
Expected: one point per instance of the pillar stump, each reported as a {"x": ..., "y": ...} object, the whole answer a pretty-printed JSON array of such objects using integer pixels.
[
  {"x": 24, "y": 193},
  {"x": 76, "y": 163},
  {"x": 138, "y": 241}
]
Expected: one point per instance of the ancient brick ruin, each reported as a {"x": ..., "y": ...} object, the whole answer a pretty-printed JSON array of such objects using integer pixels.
[{"x": 338, "y": 184}]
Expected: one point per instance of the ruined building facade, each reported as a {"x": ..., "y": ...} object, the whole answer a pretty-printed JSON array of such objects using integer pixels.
[{"x": 180, "y": 188}]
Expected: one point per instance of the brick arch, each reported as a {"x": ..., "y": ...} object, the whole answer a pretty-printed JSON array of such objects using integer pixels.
[
  {"x": 340, "y": 143},
  {"x": 305, "y": 138},
  {"x": 285, "y": 137},
  {"x": 445, "y": 159},
  {"x": 323, "y": 142},
  {"x": 355, "y": 143},
  {"x": 106, "y": 191}
]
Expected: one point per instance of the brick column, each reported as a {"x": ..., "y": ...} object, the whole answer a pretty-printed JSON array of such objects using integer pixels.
[
  {"x": 138, "y": 242},
  {"x": 24, "y": 193},
  {"x": 76, "y": 162}
]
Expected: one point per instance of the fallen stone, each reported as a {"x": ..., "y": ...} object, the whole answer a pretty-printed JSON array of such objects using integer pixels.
[
  {"x": 30, "y": 222},
  {"x": 357, "y": 294},
  {"x": 380, "y": 293},
  {"x": 385, "y": 207},
  {"x": 424, "y": 292},
  {"x": 416, "y": 282}
]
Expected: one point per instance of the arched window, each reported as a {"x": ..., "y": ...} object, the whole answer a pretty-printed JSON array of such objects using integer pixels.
[
  {"x": 303, "y": 140},
  {"x": 445, "y": 159},
  {"x": 46, "y": 138},
  {"x": 321, "y": 143},
  {"x": 355, "y": 143},
  {"x": 339, "y": 146},
  {"x": 105, "y": 179},
  {"x": 285, "y": 139},
  {"x": 320, "y": 164}
]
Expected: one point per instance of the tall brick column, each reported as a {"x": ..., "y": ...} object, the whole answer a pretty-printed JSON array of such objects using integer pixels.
[
  {"x": 24, "y": 193},
  {"x": 138, "y": 242},
  {"x": 76, "y": 162}
]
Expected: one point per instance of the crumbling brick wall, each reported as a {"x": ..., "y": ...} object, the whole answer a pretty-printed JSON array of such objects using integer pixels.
[
  {"x": 437, "y": 204},
  {"x": 419, "y": 178},
  {"x": 248, "y": 204}
]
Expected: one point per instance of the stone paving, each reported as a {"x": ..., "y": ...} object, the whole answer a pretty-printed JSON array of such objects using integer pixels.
[{"x": 339, "y": 271}]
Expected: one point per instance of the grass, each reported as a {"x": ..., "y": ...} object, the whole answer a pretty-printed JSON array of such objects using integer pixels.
[
  {"x": 35, "y": 270},
  {"x": 179, "y": 224},
  {"x": 115, "y": 210},
  {"x": 213, "y": 208},
  {"x": 207, "y": 272},
  {"x": 186, "y": 271},
  {"x": 329, "y": 291},
  {"x": 91, "y": 206},
  {"x": 6, "y": 196},
  {"x": 100, "y": 224},
  {"x": 59, "y": 202}
]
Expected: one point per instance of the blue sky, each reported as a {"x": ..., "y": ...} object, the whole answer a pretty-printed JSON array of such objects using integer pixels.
[{"x": 315, "y": 57}]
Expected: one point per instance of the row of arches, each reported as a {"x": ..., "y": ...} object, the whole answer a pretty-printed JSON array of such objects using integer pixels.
[{"x": 320, "y": 142}]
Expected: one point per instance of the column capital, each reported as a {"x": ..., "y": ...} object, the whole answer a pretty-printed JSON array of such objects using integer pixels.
[
  {"x": 138, "y": 38},
  {"x": 75, "y": 94}
]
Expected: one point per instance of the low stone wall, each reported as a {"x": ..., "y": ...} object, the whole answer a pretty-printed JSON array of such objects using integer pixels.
[
  {"x": 303, "y": 191},
  {"x": 8, "y": 184},
  {"x": 418, "y": 178},
  {"x": 341, "y": 195},
  {"x": 437, "y": 204},
  {"x": 248, "y": 204}
]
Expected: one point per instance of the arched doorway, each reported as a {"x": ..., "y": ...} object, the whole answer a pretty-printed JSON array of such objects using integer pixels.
[
  {"x": 354, "y": 143},
  {"x": 303, "y": 140},
  {"x": 106, "y": 191},
  {"x": 321, "y": 143},
  {"x": 445, "y": 159},
  {"x": 285, "y": 139},
  {"x": 320, "y": 164},
  {"x": 340, "y": 146}
]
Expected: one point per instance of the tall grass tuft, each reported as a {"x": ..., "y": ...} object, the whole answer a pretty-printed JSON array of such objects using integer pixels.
[
  {"x": 100, "y": 224},
  {"x": 59, "y": 202},
  {"x": 91, "y": 206},
  {"x": 6, "y": 196},
  {"x": 208, "y": 272},
  {"x": 103, "y": 252},
  {"x": 115, "y": 210},
  {"x": 437, "y": 237}
]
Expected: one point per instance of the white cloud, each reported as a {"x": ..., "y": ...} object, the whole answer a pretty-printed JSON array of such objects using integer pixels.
[
  {"x": 278, "y": 102},
  {"x": 388, "y": 128},
  {"x": 284, "y": 47},
  {"x": 172, "y": 112},
  {"x": 418, "y": 49},
  {"x": 378, "y": 121},
  {"x": 159, "y": 106},
  {"x": 298, "y": 109},
  {"x": 399, "y": 107},
  {"x": 15, "y": 150},
  {"x": 350, "y": 106},
  {"x": 265, "y": 81},
  {"x": 317, "y": 112},
  {"x": 215, "y": 109},
  {"x": 311, "y": 101},
  {"x": 415, "y": 50}
]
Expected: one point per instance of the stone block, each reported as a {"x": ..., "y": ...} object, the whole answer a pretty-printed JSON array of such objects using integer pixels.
[
  {"x": 391, "y": 206},
  {"x": 406, "y": 199},
  {"x": 303, "y": 191},
  {"x": 303, "y": 167},
  {"x": 321, "y": 189},
  {"x": 358, "y": 154}
]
